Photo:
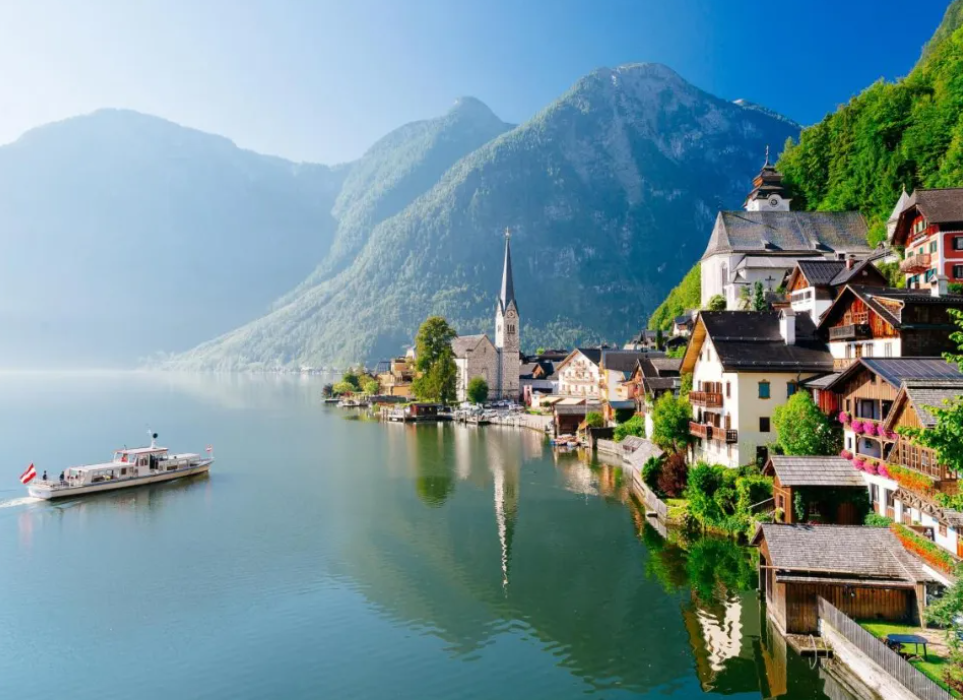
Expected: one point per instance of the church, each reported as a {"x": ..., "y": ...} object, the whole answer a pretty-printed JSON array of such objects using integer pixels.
[
  {"x": 767, "y": 238},
  {"x": 498, "y": 363}
]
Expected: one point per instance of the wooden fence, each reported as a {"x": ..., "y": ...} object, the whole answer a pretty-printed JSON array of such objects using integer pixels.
[
  {"x": 884, "y": 657},
  {"x": 649, "y": 500}
]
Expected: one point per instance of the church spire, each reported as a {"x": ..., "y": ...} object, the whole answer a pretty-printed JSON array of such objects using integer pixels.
[{"x": 508, "y": 284}]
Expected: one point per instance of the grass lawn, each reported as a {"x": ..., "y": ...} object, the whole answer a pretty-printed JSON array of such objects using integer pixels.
[
  {"x": 677, "y": 508},
  {"x": 934, "y": 664}
]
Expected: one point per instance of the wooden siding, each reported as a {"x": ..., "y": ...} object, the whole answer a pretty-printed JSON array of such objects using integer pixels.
[{"x": 893, "y": 604}]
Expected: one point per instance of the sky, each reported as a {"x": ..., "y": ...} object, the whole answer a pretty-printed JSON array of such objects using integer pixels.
[{"x": 320, "y": 81}]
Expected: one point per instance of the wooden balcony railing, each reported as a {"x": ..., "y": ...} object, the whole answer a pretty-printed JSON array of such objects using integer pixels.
[
  {"x": 841, "y": 363},
  {"x": 916, "y": 263},
  {"x": 852, "y": 331},
  {"x": 707, "y": 399},
  {"x": 920, "y": 459},
  {"x": 711, "y": 432}
]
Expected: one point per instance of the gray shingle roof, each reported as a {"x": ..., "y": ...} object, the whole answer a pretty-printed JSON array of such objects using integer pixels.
[
  {"x": 821, "y": 272},
  {"x": 750, "y": 340},
  {"x": 815, "y": 471},
  {"x": 463, "y": 343},
  {"x": 871, "y": 552},
  {"x": 787, "y": 232},
  {"x": 666, "y": 366},
  {"x": 821, "y": 382},
  {"x": 862, "y": 272},
  {"x": 643, "y": 453},
  {"x": 932, "y": 393},
  {"x": 938, "y": 206},
  {"x": 621, "y": 360}
]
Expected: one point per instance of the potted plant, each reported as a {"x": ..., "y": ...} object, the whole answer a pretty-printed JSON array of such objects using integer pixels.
[
  {"x": 843, "y": 417},
  {"x": 856, "y": 426},
  {"x": 846, "y": 454}
]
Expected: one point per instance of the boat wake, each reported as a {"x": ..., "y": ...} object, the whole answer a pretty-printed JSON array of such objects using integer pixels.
[{"x": 24, "y": 501}]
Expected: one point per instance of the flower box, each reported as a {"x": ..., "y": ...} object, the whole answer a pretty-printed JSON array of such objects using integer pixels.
[
  {"x": 846, "y": 454},
  {"x": 927, "y": 550},
  {"x": 843, "y": 417},
  {"x": 857, "y": 427}
]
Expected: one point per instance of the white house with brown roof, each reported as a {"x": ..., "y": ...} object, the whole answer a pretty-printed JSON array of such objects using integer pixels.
[
  {"x": 743, "y": 365},
  {"x": 580, "y": 375},
  {"x": 764, "y": 242}
]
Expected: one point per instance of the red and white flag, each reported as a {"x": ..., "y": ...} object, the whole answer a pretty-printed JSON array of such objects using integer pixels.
[{"x": 28, "y": 475}]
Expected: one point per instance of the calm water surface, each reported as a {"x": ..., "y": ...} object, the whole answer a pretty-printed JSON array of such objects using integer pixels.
[{"x": 332, "y": 557}]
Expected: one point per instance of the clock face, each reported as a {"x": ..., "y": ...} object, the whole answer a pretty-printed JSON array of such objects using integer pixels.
[{"x": 773, "y": 202}]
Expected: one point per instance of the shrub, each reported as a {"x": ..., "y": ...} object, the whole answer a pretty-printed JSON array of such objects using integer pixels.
[
  {"x": 344, "y": 388},
  {"x": 651, "y": 471},
  {"x": 623, "y": 414},
  {"x": 594, "y": 420},
  {"x": 674, "y": 475},
  {"x": 717, "y": 303},
  {"x": 371, "y": 387},
  {"x": 633, "y": 426},
  {"x": 877, "y": 520},
  {"x": 477, "y": 391}
]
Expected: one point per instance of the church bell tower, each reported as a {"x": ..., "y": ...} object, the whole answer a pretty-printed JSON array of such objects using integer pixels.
[{"x": 506, "y": 332}]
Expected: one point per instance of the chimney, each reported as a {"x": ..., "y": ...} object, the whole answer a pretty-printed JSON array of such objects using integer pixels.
[
  {"x": 787, "y": 326},
  {"x": 940, "y": 288},
  {"x": 850, "y": 262}
]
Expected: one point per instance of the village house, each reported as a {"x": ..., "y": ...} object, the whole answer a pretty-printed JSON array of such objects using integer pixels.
[
  {"x": 867, "y": 321},
  {"x": 930, "y": 227},
  {"x": 813, "y": 285},
  {"x": 863, "y": 571},
  {"x": 653, "y": 377},
  {"x": 743, "y": 365},
  {"x": 823, "y": 484},
  {"x": 764, "y": 242},
  {"x": 615, "y": 370},
  {"x": 537, "y": 377},
  {"x": 579, "y": 374},
  {"x": 395, "y": 376},
  {"x": 682, "y": 325},
  {"x": 914, "y": 502},
  {"x": 643, "y": 340},
  {"x": 475, "y": 356}
]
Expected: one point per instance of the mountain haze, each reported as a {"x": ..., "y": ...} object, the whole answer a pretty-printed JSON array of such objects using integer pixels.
[
  {"x": 124, "y": 234},
  {"x": 610, "y": 193}
]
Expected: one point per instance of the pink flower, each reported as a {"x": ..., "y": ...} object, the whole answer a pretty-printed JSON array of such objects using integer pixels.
[
  {"x": 883, "y": 471},
  {"x": 857, "y": 427},
  {"x": 843, "y": 417},
  {"x": 846, "y": 454},
  {"x": 891, "y": 434},
  {"x": 859, "y": 464},
  {"x": 869, "y": 428}
]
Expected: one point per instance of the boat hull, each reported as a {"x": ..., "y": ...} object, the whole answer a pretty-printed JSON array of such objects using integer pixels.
[{"x": 55, "y": 492}]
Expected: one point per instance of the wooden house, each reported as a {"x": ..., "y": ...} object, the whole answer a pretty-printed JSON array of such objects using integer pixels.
[
  {"x": 868, "y": 321},
  {"x": 813, "y": 284},
  {"x": 819, "y": 481},
  {"x": 863, "y": 571},
  {"x": 929, "y": 224}
]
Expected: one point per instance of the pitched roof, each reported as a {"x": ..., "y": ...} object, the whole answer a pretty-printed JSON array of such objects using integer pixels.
[
  {"x": 383, "y": 367},
  {"x": 870, "y": 552},
  {"x": 461, "y": 345},
  {"x": 926, "y": 394},
  {"x": 876, "y": 298},
  {"x": 938, "y": 206},
  {"x": 666, "y": 366},
  {"x": 782, "y": 232},
  {"x": 864, "y": 271},
  {"x": 750, "y": 340},
  {"x": 621, "y": 360},
  {"x": 894, "y": 370},
  {"x": 507, "y": 295},
  {"x": 593, "y": 355},
  {"x": 821, "y": 382},
  {"x": 643, "y": 453},
  {"x": 820, "y": 273},
  {"x": 815, "y": 471}
]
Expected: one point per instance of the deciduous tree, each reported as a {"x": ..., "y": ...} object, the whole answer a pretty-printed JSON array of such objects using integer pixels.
[
  {"x": 802, "y": 429},
  {"x": 670, "y": 422},
  {"x": 477, "y": 390}
]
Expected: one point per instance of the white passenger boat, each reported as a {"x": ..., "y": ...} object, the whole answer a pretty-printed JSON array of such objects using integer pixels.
[{"x": 127, "y": 468}]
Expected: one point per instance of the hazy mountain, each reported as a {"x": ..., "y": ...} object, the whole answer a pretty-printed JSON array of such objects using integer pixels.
[
  {"x": 610, "y": 192},
  {"x": 395, "y": 171},
  {"x": 123, "y": 234}
]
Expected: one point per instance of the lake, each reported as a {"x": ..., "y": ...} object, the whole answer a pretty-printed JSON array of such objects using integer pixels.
[{"x": 329, "y": 556}]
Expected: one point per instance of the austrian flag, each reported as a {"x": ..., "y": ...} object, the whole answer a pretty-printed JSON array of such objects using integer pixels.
[{"x": 28, "y": 475}]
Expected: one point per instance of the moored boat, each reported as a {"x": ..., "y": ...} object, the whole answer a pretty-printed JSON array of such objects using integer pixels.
[{"x": 128, "y": 468}]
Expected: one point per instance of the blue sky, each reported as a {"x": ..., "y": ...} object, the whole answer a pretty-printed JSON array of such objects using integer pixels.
[{"x": 321, "y": 81}]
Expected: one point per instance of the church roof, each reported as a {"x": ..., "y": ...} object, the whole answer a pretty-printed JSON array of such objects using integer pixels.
[
  {"x": 507, "y": 295},
  {"x": 464, "y": 344},
  {"x": 787, "y": 233}
]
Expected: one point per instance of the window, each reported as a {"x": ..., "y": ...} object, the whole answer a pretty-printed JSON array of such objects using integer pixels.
[
  {"x": 942, "y": 529},
  {"x": 764, "y": 389},
  {"x": 728, "y": 390},
  {"x": 874, "y": 493},
  {"x": 958, "y": 243},
  {"x": 849, "y": 444},
  {"x": 930, "y": 274},
  {"x": 920, "y": 251},
  {"x": 932, "y": 246},
  {"x": 958, "y": 271},
  {"x": 847, "y": 405},
  {"x": 887, "y": 349},
  {"x": 868, "y": 350},
  {"x": 790, "y": 389},
  {"x": 849, "y": 352},
  {"x": 764, "y": 424}
]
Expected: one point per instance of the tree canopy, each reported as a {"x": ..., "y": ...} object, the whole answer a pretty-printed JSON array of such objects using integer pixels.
[
  {"x": 670, "y": 422},
  {"x": 436, "y": 361},
  {"x": 802, "y": 429},
  {"x": 477, "y": 390}
]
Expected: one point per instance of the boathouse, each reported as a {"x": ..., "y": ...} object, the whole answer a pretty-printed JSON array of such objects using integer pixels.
[
  {"x": 815, "y": 489},
  {"x": 863, "y": 571}
]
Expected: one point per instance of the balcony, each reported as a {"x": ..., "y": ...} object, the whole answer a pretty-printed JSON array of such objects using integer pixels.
[
  {"x": 711, "y": 432},
  {"x": 914, "y": 264},
  {"x": 923, "y": 461},
  {"x": 706, "y": 399},
  {"x": 857, "y": 329},
  {"x": 841, "y": 363}
]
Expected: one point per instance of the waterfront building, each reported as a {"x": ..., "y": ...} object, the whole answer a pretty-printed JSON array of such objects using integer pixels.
[
  {"x": 653, "y": 377},
  {"x": 579, "y": 374},
  {"x": 929, "y": 225},
  {"x": 764, "y": 242},
  {"x": 813, "y": 477},
  {"x": 863, "y": 571},
  {"x": 615, "y": 371},
  {"x": 867, "y": 321},
  {"x": 813, "y": 285},
  {"x": 395, "y": 376},
  {"x": 743, "y": 365},
  {"x": 475, "y": 356}
]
